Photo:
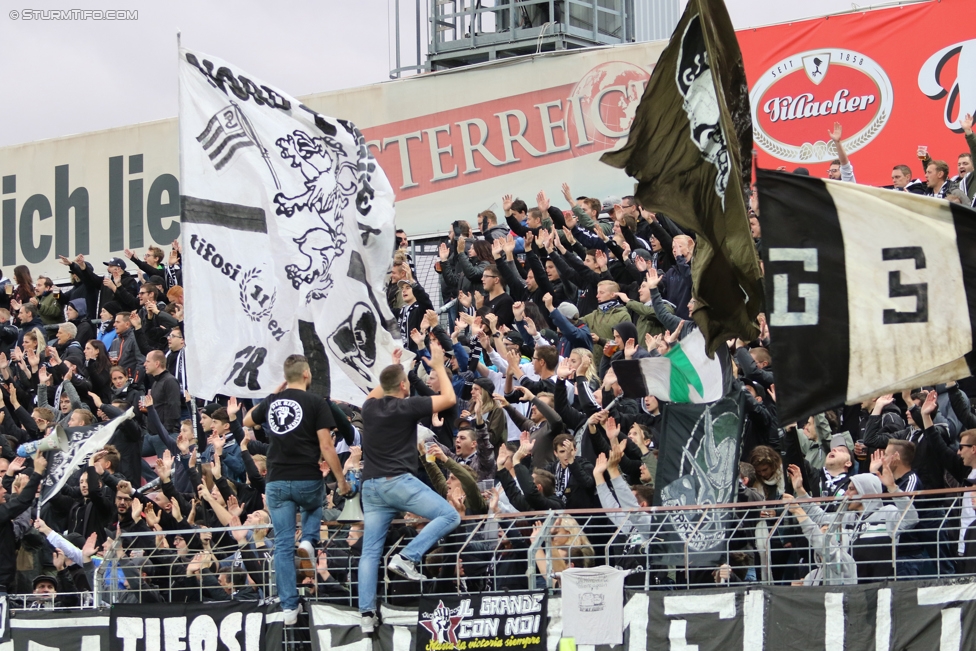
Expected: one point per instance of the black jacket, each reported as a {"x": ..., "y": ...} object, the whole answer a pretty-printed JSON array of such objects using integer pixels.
[
  {"x": 168, "y": 399},
  {"x": 14, "y": 506}
]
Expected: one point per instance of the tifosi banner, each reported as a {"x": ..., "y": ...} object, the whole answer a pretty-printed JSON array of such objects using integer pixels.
[
  {"x": 872, "y": 617},
  {"x": 894, "y": 78},
  {"x": 215, "y": 626}
]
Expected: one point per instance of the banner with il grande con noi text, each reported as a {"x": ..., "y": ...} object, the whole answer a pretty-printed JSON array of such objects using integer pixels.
[{"x": 453, "y": 143}]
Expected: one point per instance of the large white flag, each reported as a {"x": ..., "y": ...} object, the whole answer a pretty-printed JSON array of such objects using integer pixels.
[
  {"x": 286, "y": 216},
  {"x": 82, "y": 444}
]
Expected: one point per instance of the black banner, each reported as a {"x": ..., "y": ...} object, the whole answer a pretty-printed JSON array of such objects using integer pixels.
[
  {"x": 65, "y": 630},
  {"x": 214, "y": 626},
  {"x": 896, "y": 616},
  {"x": 698, "y": 464}
]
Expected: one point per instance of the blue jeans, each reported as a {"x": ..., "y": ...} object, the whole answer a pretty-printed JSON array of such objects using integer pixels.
[
  {"x": 383, "y": 500},
  {"x": 284, "y": 499}
]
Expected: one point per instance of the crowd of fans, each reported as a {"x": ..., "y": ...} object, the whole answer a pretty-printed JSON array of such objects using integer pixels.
[{"x": 536, "y": 304}]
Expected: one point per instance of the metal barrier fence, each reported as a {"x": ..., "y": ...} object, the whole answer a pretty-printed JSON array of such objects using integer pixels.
[
  {"x": 826, "y": 541},
  {"x": 193, "y": 565}
]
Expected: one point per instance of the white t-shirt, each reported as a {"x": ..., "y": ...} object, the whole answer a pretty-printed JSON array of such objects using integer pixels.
[{"x": 593, "y": 604}]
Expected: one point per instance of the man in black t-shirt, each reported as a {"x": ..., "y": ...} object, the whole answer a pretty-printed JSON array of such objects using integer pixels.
[
  {"x": 390, "y": 486},
  {"x": 299, "y": 426}
]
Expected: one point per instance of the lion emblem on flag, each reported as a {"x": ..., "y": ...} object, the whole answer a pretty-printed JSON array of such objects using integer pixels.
[{"x": 329, "y": 182}]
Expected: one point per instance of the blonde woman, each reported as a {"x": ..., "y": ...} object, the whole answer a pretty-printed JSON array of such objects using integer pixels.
[
  {"x": 566, "y": 535},
  {"x": 581, "y": 361}
]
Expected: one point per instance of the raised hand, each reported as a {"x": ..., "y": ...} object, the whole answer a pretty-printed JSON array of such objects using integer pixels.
[
  {"x": 518, "y": 310},
  {"x": 136, "y": 508},
  {"x": 542, "y": 201},
  {"x": 568, "y": 195},
  {"x": 152, "y": 517},
  {"x": 443, "y": 252},
  {"x": 563, "y": 371},
  {"x": 877, "y": 460},
  {"x": 836, "y": 132},
  {"x": 507, "y": 203},
  {"x": 88, "y": 550},
  {"x": 672, "y": 337},
  {"x": 508, "y": 245},
  {"x": 630, "y": 349},
  {"x": 547, "y": 299},
  {"x": 500, "y": 399},
  {"x": 162, "y": 469},
  {"x": 930, "y": 406},
  {"x": 497, "y": 248},
  {"x": 887, "y": 476},
  {"x": 436, "y": 353},
  {"x": 653, "y": 278},
  {"x": 796, "y": 478},
  {"x": 966, "y": 122},
  {"x": 464, "y": 298},
  {"x": 600, "y": 465},
  {"x": 460, "y": 244},
  {"x": 601, "y": 259},
  {"x": 612, "y": 428},
  {"x": 527, "y": 396},
  {"x": 884, "y": 401}
]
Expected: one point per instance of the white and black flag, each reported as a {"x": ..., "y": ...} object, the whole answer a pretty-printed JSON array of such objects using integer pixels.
[
  {"x": 869, "y": 291},
  {"x": 286, "y": 216}
]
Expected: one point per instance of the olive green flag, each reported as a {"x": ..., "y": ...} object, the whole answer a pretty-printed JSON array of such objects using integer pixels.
[{"x": 690, "y": 149}]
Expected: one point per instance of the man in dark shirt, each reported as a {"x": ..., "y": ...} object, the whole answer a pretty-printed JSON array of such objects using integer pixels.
[
  {"x": 390, "y": 486},
  {"x": 166, "y": 392},
  {"x": 299, "y": 427}
]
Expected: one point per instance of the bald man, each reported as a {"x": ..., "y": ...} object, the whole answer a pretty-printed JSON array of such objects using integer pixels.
[{"x": 165, "y": 390}]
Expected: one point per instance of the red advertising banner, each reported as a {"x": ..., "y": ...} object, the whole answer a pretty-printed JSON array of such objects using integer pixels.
[{"x": 894, "y": 78}]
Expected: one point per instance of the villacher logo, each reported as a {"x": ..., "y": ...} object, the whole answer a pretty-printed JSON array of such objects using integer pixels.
[{"x": 803, "y": 95}]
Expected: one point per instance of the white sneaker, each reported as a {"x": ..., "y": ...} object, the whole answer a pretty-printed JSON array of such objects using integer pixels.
[
  {"x": 368, "y": 623},
  {"x": 404, "y": 568},
  {"x": 291, "y": 616}
]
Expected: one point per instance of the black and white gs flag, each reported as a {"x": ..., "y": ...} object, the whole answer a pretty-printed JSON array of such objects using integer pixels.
[
  {"x": 286, "y": 216},
  {"x": 869, "y": 291}
]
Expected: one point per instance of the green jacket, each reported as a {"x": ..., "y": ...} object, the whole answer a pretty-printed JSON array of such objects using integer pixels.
[
  {"x": 647, "y": 321},
  {"x": 602, "y": 322},
  {"x": 50, "y": 310}
]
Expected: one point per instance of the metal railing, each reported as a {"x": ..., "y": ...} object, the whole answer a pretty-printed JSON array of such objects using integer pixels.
[
  {"x": 207, "y": 566},
  {"x": 458, "y": 24},
  {"x": 874, "y": 538}
]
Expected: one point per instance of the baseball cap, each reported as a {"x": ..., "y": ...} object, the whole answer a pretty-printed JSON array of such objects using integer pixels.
[
  {"x": 550, "y": 336},
  {"x": 644, "y": 253},
  {"x": 514, "y": 337},
  {"x": 609, "y": 203},
  {"x": 116, "y": 262},
  {"x": 401, "y": 283}
]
